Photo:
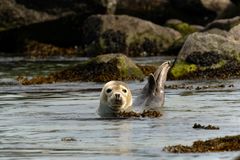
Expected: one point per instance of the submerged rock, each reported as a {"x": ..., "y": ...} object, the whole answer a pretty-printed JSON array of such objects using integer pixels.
[
  {"x": 36, "y": 49},
  {"x": 134, "y": 36},
  {"x": 228, "y": 143},
  {"x": 209, "y": 127},
  {"x": 68, "y": 139},
  {"x": 102, "y": 68},
  {"x": 206, "y": 55}
]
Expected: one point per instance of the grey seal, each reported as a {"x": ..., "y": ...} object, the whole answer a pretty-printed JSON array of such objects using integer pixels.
[{"x": 116, "y": 96}]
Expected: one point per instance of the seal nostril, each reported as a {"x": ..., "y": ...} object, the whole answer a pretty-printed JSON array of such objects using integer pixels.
[{"x": 117, "y": 96}]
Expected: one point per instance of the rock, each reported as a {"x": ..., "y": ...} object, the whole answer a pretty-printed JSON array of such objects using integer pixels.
[
  {"x": 223, "y": 8},
  {"x": 125, "y": 34},
  {"x": 158, "y": 11},
  {"x": 13, "y": 15},
  {"x": 185, "y": 29},
  {"x": 61, "y": 8},
  {"x": 36, "y": 49},
  {"x": 68, "y": 139},
  {"x": 235, "y": 32},
  {"x": 227, "y": 143},
  {"x": 55, "y": 22},
  {"x": 182, "y": 27},
  {"x": 205, "y": 55},
  {"x": 224, "y": 24},
  {"x": 17, "y": 13},
  {"x": 63, "y": 32},
  {"x": 191, "y": 11},
  {"x": 218, "y": 32},
  {"x": 102, "y": 68},
  {"x": 152, "y": 10},
  {"x": 209, "y": 127},
  {"x": 109, "y": 5}
]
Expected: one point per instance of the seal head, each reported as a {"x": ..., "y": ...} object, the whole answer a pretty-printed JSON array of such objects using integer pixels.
[
  {"x": 115, "y": 97},
  {"x": 152, "y": 95}
]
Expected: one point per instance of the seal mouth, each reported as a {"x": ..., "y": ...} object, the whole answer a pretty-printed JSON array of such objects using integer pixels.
[
  {"x": 118, "y": 102},
  {"x": 116, "y": 105}
]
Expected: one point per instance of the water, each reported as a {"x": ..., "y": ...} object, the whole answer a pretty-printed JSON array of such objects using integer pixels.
[{"x": 34, "y": 119}]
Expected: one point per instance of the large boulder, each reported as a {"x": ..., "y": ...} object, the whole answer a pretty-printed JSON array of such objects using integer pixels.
[
  {"x": 191, "y": 11},
  {"x": 102, "y": 68},
  {"x": 158, "y": 11},
  {"x": 57, "y": 23},
  {"x": 206, "y": 55},
  {"x": 14, "y": 15},
  {"x": 62, "y": 32},
  {"x": 223, "y": 8},
  {"x": 153, "y": 10},
  {"x": 125, "y": 34}
]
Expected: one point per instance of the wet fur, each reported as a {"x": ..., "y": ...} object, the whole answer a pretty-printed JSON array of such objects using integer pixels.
[{"x": 108, "y": 106}]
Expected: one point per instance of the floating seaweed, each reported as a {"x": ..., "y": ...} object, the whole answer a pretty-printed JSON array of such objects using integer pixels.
[{"x": 132, "y": 114}]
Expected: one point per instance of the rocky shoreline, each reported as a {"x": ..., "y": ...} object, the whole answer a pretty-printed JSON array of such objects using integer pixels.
[{"x": 203, "y": 35}]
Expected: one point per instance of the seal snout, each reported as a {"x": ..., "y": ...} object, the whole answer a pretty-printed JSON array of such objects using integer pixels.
[
  {"x": 118, "y": 100},
  {"x": 117, "y": 96}
]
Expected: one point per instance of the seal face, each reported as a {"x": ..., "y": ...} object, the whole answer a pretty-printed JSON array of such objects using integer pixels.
[{"x": 115, "y": 97}]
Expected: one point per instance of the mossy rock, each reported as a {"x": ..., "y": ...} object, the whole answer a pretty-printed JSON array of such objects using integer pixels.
[
  {"x": 126, "y": 34},
  {"x": 182, "y": 69},
  {"x": 208, "y": 56},
  {"x": 183, "y": 28},
  {"x": 102, "y": 68}
]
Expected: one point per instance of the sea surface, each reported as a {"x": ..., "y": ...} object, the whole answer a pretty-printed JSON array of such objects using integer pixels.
[{"x": 59, "y": 121}]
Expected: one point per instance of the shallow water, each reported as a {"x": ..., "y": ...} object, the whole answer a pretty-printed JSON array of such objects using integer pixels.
[{"x": 35, "y": 119}]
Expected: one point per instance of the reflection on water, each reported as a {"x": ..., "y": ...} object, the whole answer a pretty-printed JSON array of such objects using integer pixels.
[{"x": 35, "y": 119}]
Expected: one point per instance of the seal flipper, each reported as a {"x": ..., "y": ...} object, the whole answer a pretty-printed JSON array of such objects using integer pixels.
[
  {"x": 150, "y": 86},
  {"x": 161, "y": 76},
  {"x": 152, "y": 95},
  {"x": 147, "y": 90}
]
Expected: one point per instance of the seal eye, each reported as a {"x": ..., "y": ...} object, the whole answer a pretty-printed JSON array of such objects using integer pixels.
[
  {"x": 109, "y": 90},
  {"x": 124, "y": 90}
]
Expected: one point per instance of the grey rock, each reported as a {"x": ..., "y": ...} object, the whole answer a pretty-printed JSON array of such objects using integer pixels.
[{"x": 130, "y": 35}]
